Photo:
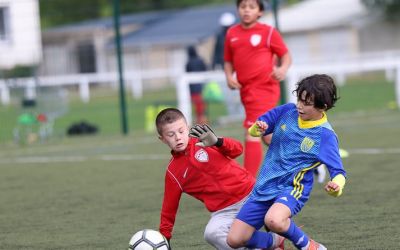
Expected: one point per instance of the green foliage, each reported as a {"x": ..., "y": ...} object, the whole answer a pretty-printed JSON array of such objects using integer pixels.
[
  {"x": 391, "y": 8},
  {"x": 18, "y": 71},
  {"x": 58, "y": 12}
]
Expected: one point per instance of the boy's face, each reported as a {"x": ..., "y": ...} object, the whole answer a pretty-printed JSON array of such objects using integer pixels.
[
  {"x": 306, "y": 109},
  {"x": 249, "y": 12},
  {"x": 175, "y": 135}
]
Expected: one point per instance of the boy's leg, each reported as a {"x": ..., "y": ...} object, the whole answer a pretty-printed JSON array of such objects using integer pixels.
[
  {"x": 278, "y": 219},
  {"x": 200, "y": 107},
  {"x": 253, "y": 153},
  {"x": 217, "y": 229},
  {"x": 244, "y": 232}
]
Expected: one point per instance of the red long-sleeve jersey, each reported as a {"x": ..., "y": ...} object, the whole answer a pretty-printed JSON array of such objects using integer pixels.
[
  {"x": 251, "y": 51},
  {"x": 209, "y": 174}
]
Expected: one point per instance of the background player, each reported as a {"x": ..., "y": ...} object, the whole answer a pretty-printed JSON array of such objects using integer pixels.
[
  {"x": 302, "y": 140},
  {"x": 251, "y": 50},
  {"x": 196, "y": 64}
]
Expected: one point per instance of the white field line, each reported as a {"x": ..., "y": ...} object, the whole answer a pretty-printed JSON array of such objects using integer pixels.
[
  {"x": 150, "y": 157},
  {"x": 80, "y": 158}
]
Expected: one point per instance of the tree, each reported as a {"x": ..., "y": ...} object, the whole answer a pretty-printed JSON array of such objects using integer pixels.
[
  {"x": 59, "y": 12},
  {"x": 390, "y": 8}
]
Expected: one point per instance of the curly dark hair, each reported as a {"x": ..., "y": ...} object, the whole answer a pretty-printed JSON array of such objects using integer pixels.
[
  {"x": 320, "y": 89},
  {"x": 166, "y": 116}
]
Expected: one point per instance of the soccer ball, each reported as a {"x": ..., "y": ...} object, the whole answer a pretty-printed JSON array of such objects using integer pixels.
[{"x": 148, "y": 239}]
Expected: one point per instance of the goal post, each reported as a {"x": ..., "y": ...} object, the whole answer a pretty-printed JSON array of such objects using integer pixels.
[{"x": 231, "y": 97}]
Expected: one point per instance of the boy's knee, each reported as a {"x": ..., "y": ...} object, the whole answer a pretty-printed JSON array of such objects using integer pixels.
[
  {"x": 234, "y": 242},
  {"x": 274, "y": 224}
]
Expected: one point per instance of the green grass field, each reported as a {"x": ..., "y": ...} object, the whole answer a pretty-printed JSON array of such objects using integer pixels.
[{"x": 94, "y": 192}]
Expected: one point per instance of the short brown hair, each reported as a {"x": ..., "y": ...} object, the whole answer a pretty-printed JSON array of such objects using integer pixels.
[
  {"x": 321, "y": 89},
  {"x": 260, "y": 4},
  {"x": 168, "y": 115}
]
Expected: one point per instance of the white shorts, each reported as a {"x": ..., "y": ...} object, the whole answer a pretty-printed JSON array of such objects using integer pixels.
[{"x": 218, "y": 226}]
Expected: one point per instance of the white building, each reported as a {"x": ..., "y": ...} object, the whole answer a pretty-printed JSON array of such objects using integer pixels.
[
  {"x": 321, "y": 30},
  {"x": 20, "y": 37}
]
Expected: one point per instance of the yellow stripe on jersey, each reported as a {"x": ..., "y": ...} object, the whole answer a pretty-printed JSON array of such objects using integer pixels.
[{"x": 297, "y": 186}]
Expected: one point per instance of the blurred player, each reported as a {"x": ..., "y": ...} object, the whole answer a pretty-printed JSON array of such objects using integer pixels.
[
  {"x": 252, "y": 51},
  {"x": 196, "y": 64},
  {"x": 302, "y": 140},
  {"x": 204, "y": 168}
]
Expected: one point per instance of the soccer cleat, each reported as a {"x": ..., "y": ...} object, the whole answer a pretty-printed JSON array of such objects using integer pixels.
[{"x": 313, "y": 245}]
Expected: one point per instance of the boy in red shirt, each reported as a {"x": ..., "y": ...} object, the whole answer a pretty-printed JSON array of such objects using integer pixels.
[
  {"x": 203, "y": 167},
  {"x": 251, "y": 50}
]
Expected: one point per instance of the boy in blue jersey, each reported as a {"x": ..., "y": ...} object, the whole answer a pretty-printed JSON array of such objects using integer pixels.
[{"x": 302, "y": 140}]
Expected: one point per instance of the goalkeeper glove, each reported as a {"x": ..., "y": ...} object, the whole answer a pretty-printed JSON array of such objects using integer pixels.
[{"x": 205, "y": 135}]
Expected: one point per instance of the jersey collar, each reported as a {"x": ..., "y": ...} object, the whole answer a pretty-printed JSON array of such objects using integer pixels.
[{"x": 312, "y": 124}]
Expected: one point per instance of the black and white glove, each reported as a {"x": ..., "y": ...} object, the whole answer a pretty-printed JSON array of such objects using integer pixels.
[{"x": 205, "y": 135}]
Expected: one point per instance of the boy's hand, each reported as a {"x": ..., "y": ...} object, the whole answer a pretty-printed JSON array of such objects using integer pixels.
[
  {"x": 333, "y": 189},
  {"x": 205, "y": 134},
  {"x": 234, "y": 84},
  {"x": 279, "y": 73},
  {"x": 335, "y": 186},
  {"x": 258, "y": 128}
]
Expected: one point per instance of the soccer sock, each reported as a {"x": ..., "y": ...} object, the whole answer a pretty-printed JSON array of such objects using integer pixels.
[
  {"x": 296, "y": 235},
  {"x": 253, "y": 151},
  {"x": 260, "y": 240},
  {"x": 200, "y": 108}
]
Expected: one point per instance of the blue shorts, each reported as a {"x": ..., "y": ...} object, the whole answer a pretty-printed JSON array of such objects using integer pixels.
[{"x": 253, "y": 212}]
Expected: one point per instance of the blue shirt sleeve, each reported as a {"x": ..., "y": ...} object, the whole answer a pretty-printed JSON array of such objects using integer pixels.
[
  {"x": 272, "y": 117},
  {"x": 329, "y": 153}
]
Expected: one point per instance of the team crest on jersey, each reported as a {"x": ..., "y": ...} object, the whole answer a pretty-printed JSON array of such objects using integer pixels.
[
  {"x": 283, "y": 127},
  {"x": 255, "y": 40},
  {"x": 201, "y": 155},
  {"x": 307, "y": 144}
]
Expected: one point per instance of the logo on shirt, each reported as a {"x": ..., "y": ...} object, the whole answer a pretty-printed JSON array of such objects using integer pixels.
[
  {"x": 284, "y": 198},
  {"x": 201, "y": 155},
  {"x": 234, "y": 39},
  {"x": 283, "y": 127},
  {"x": 306, "y": 144},
  {"x": 255, "y": 40}
]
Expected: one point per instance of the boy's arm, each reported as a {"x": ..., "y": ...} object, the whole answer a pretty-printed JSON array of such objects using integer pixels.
[
  {"x": 231, "y": 81},
  {"x": 279, "y": 72},
  {"x": 230, "y": 147},
  {"x": 172, "y": 195},
  {"x": 330, "y": 156},
  {"x": 265, "y": 124}
]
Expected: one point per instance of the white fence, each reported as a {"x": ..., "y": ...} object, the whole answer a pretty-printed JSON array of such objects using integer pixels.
[
  {"x": 134, "y": 80},
  {"x": 389, "y": 62}
]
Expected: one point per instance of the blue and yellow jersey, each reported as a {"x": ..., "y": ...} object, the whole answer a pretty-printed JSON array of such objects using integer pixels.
[{"x": 297, "y": 147}]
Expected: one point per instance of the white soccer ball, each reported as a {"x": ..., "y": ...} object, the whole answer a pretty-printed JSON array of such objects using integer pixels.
[{"x": 148, "y": 239}]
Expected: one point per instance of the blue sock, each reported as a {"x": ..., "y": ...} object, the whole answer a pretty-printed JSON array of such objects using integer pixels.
[
  {"x": 260, "y": 240},
  {"x": 296, "y": 235}
]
